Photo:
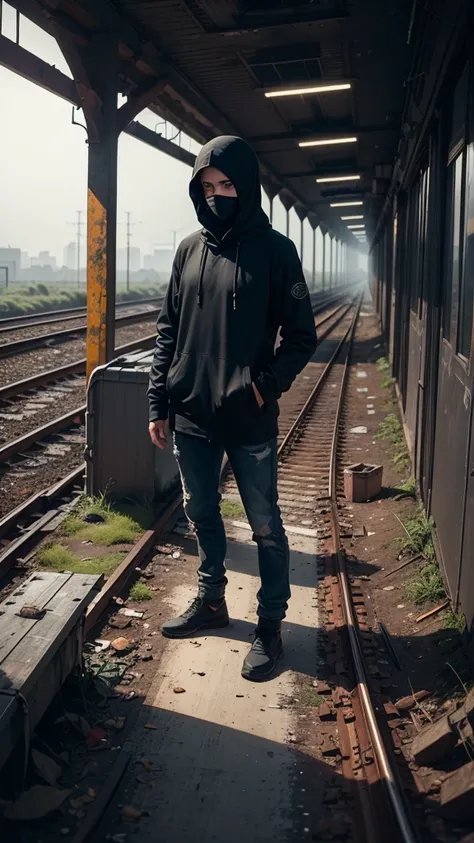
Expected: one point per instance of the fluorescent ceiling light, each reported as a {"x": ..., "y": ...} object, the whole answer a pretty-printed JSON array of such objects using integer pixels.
[
  {"x": 312, "y": 89},
  {"x": 344, "y": 204},
  {"x": 354, "y": 217},
  {"x": 327, "y": 141},
  {"x": 359, "y": 225},
  {"x": 337, "y": 178}
]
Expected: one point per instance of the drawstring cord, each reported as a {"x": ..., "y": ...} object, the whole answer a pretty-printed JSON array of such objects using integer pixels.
[
  {"x": 202, "y": 267},
  {"x": 236, "y": 277}
]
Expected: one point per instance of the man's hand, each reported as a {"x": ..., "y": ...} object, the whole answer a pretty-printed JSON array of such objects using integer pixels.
[
  {"x": 258, "y": 397},
  {"x": 158, "y": 433}
]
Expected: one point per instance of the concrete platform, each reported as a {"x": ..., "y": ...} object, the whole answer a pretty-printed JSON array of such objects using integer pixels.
[{"x": 224, "y": 770}]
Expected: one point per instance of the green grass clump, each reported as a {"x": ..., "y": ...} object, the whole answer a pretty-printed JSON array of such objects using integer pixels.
[
  {"x": 454, "y": 620},
  {"x": 116, "y": 528},
  {"x": 140, "y": 592},
  {"x": 232, "y": 509},
  {"x": 408, "y": 488},
  {"x": 56, "y": 557},
  {"x": 419, "y": 535},
  {"x": 391, "y": 431},
  {"x": 383, "y": 365},
  {"x": 427, "y": 585}
]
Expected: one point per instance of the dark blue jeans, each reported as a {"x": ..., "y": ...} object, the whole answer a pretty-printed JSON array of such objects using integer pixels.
[{"x": 255, "y": 472}]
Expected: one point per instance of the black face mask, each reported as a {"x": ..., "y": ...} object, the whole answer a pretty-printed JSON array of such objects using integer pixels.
[{"x": 224, "y": 207}]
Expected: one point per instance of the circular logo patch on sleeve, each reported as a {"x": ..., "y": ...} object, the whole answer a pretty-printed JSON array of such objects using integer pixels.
[{"x": 300, "y": 290}]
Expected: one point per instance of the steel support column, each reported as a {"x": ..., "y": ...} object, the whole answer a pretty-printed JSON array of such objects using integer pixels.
[
  {"x": 102, "y": 207},
  {"x": 288, "y": 222},
  {"x": 324, "y": 260},
  {"x": 313, "y": 276},
  {"x": 331, "y": 253},
  {"x": 302, "y": 240}
]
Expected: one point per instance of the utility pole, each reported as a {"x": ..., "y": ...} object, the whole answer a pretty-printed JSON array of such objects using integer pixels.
[
  {"x": 79, "y": 223},
  {"x": 128, "y": 214},
  {"x": 78, "y": 246}
]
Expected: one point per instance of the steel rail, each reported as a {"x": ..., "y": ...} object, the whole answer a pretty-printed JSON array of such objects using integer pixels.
[
  {"x": 382, "y": 760},
  {"x": 28, "y": 319},
  {"x": 16, "y": 446},
  {"x": 9, "y": 349}
]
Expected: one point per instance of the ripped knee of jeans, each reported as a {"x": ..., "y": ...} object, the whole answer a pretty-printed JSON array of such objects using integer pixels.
[{"x": 262, "y": 534}]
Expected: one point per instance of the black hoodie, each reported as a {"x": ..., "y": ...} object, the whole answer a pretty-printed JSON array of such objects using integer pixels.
[{"x": 230, "y": 291}]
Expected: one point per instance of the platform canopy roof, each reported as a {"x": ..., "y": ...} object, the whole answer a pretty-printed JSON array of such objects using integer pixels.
[{"x": 217, "y": 64}]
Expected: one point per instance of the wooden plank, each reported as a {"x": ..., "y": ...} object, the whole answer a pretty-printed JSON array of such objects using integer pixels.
[
  {"x": 30, "y": 658},
  {"x": 38, "y": 590}
]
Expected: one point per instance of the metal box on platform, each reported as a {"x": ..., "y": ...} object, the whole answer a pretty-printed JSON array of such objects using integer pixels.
[{"x": 120, "y": 457}]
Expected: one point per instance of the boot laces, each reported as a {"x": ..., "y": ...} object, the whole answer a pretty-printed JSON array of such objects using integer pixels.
[{"x": 196, "y": 604}]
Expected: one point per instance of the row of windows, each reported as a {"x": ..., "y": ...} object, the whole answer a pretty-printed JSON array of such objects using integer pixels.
[{"x": 456, "y": 218}]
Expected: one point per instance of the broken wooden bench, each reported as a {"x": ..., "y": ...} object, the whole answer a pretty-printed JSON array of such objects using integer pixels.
[{"x": 41, "y": 631}]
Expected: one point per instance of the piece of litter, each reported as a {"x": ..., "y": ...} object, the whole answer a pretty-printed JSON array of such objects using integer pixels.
[
  {"x": 131, "y": 613},
  {"x": 146, "y": 626},
  {"x": 389, "y": 588},
  {"x": 361, "y": 374},
  {"x": 239, "y": 696},
  {"x": 359, "y": 429},
  {"x": 179, "y": 690},
  {"x": 362, "y": 389},
  {"x": 149, "y": 726},
  {"x": 131, "y": 814},
  {"x": 121, "y": 644},
  {"x": 371, "y": 412},
  {"x": 176, "y": 554},
  {"x": 401, "y": 606},
  {"x": 370, "y": 406}
]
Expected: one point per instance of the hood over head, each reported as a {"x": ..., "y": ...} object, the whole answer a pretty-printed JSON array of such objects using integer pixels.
[{"x": 234, "y": 157}]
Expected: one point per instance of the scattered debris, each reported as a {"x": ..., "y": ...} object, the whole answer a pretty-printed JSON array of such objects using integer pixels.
[
  {"x": 37, "y": 802},
  {"x": 131, "y": 814},
  {"x": 433, "y": 611},
  {"x": 405, "y": 703},
  {"x": 131, "y": 613},
  {"x": 121, "y": 645},
  {"x": 119, "y": 621},
  {"x": 32, "y": 613},
  {"x": 101, "y": 645},
  {"x": 403, "y": 565}
]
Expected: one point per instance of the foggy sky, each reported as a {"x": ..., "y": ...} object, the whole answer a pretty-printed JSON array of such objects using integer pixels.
[{"x": 43, "y": 166}]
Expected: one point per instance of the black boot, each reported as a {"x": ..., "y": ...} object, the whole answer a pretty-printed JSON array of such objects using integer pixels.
[
  {"x": 201, "y": 614},
  {"x": 266, "y": 649}
]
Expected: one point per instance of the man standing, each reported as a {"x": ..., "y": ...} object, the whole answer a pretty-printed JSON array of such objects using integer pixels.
[{"x": 217, "y": 378}]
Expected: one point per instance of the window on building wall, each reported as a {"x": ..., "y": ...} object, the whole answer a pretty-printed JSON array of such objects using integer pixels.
[{"x": 458, "y": 300}]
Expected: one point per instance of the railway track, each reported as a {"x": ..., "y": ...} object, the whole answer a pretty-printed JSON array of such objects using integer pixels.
[
  {"x": 10, "y": 349},
  {"x": 10, "y": 323}
]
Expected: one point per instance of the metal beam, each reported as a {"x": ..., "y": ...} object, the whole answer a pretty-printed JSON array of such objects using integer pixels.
[
  {"x": 148, "y": 136},
  {"x": 21, "y": 61}
]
